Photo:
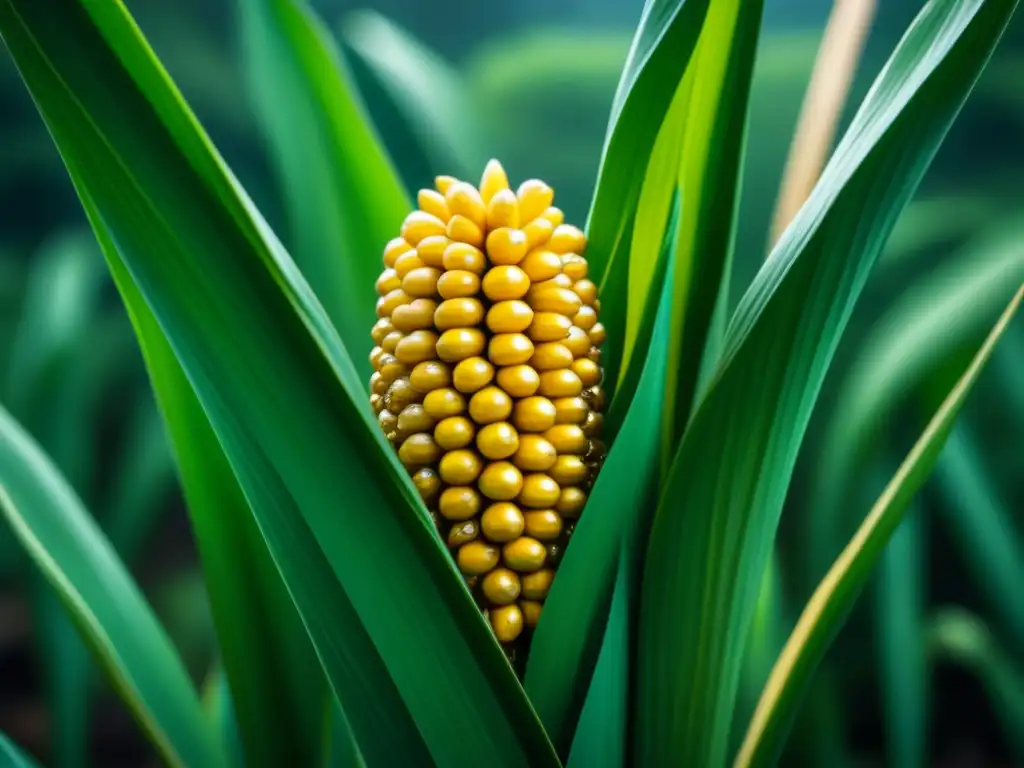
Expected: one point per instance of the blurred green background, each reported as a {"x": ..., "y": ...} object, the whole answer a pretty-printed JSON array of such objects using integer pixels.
[{"x": 930, "y": 668}]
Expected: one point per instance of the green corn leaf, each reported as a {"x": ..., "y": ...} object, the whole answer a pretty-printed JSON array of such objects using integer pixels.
[
  {"x": 425, "y": 90},
  {"x": 662, "y": 49},
  {"x": 711, "y": 151},
  {"x": 767, "y": 634},
  {"x": 343, "y": 197},
  {"x": 697, "y": 151},
  {"x": 987, "y": 532},
  {"x": 630, "y": 374},
  {"x": 62, "y": 297},
  {"x": 259, "y": 632},
  {"x": 721, "y": 503},
  {"x": 66, "y": 669},
  {"x": 574, "y": 625},
  {"x": 941, "y": 314},
  {"x": 110, "y": 611},
  {"x": 238, "y": 560},
  {"x": 67, "y": 355},
  {"x": 96, "y": 352},
  {"x": 954, "y": 635},
  {"x": 268, "y": 658},
  {"x": 819, "y": 733},
  {"x": 220, "y": 711},
  {"x": 283, "y": 397},
  {"x": 661, "y": 22},
  {"x": 645, "y": 269},
  {"x": 837, "y": 592},
  {"x": 341, "y": 750},
  {"x": 601, "y": 737},
  {"x": 12, "y": 757},
  {"x": 602, "y": 734},
  {"x": 899, "y": 624}
]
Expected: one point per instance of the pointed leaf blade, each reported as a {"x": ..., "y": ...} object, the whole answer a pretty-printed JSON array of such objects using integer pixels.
[
  {"x": 662, "y": 48},
  {"x": 283, "y": 397},
  {"x": 110, "y": 611},
  {"x": 837, "y": 592},
  {"x": 721, "y": 503},
  {"x": 270, "y": 663},
  {"x": 709, "y": 175},
  {"x": 948, "y": 310}
]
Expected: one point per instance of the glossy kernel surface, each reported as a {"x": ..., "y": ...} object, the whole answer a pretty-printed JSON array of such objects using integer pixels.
[{"x": 487, "y": 382}]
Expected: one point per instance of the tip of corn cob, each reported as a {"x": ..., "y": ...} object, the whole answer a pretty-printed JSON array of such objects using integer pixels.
[{"x": 487, "y": 381}]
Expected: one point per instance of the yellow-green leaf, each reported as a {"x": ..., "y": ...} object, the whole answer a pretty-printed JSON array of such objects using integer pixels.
[{"x": 831, "y": 601}]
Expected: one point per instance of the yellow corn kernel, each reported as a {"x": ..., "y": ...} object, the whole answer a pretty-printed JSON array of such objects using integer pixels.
[
  {"x": 454, "y": 432},
  {"x": 464, "y": 200},
  {"x": 502, "y": 522},
  {"x": 535, "y": 454},
  {"x": 524, "y": 554},
  {"x": 501, "y": 586},
  {"x": 472, "y": 374},
  {"x": 503, "y": 210},
  {"x": 431, "y": 201},
  {"x": 501, "y": 481},
  {"x": 507, "y": 622},
  {"x": 430, "y": 250},
  {"x": 505, "y": 283},
  {"x": 442, "y": 183},
  {"x": 506, "y": 245},
  {"x": 509, "y": 348},
  {"x": 497, "y": 440},
  {"x": 395, "y": 248},
  {"x": 541, "y": 264},
  {"x": 487, "y": 382},
  {"x": 418, "y": 225},
  {"x": 519, "y": 380},
  {"x": 534, "y": 198},
  {"x": 492, "y": 181},
  {"x": 464, "y": 230}
]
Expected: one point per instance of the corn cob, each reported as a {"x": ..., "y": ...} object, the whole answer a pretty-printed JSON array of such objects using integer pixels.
[{"x": 487, "y": 381}]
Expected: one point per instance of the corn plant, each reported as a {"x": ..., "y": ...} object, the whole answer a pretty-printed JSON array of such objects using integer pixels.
[{"x": 347, "y": 630}]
